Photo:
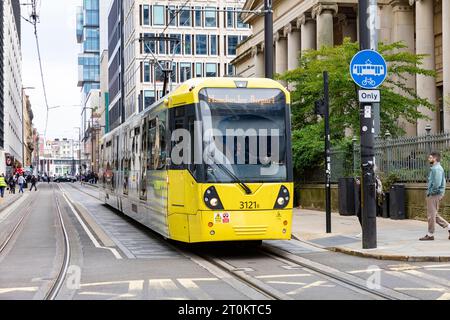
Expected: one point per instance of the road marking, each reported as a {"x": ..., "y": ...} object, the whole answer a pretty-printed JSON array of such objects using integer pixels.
[
  {"x": 436, "y": 266},
  {"x": 424, "y": 284},
  {"x": 315, "y": 284},
  {"x": 284, "y": 276},
  {"x": 429, "y": 277},
  {"x": 88, "y": 232},
  {"x": 445, "y": 296},
  {"x": 23, "y": 289},
  {"x": 420, "y": 289},
  {"x": 287, "y": 282},
  {"x": 195, "y": 289},
  {"x": 164, "y": 289}
]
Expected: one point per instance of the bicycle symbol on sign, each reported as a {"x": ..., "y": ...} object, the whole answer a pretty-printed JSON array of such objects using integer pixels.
[{"x": 368, "y": 81}]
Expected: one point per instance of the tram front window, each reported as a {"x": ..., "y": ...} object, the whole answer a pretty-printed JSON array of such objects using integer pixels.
[{"x": 244, "y": 134}]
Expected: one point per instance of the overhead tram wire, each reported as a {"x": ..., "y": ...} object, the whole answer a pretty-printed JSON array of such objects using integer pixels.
[
  {"x": 160, "y": 35},
  {"x": 34, "y": 19}
]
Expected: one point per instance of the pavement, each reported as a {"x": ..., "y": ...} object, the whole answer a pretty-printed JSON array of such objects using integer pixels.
[
  {"x": 9, "y": 199},
  {"x": 396, "y": 239}
]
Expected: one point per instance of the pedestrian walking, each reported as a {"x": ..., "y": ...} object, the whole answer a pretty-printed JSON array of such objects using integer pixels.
[
  {"x": 12, "y": 185},
  {"x": 33, "y": 182},
  {"x": 3, "y": 185},
  {"x": 435, "y": 193},
  {"x": 21, "y": 182}
]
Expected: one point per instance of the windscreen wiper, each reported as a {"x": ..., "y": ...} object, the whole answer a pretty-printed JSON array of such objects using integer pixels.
[{"x": 233, "y": 176}]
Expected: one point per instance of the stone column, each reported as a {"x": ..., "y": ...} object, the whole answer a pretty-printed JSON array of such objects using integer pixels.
[
  {"x": 426, "y": 86},
  {"x": 307, "y": 27},
  {"x": 403, "y": 30},
  {"x": 258, "y": 56},
  {"x": 324, "y": 15},
  {"x": 293, "y": 45},
  {"x": 446, "y": 61},
  {"x": 348, "y": 27},
  {"x": 280, "y": 53}
]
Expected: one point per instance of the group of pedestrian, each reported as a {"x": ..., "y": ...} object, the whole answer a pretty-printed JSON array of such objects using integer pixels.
[
  {"x": 18, "y": 179},
  {"x": 90, "y": 177}
]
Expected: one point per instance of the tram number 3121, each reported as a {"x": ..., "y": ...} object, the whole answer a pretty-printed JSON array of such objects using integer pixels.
[{"x": 249, "y": 205}]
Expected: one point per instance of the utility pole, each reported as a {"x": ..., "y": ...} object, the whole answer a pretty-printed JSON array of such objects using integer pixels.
[
  {"x": 367, "y": 38},
  {"x": 322, "y": 108},
  {"x": 268, "y": 39}
]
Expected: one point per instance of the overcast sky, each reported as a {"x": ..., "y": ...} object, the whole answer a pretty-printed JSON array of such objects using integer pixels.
[{"x": 59, "y": 52}]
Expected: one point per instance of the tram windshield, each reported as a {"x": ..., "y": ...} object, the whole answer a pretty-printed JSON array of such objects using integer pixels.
[{"x": 244, "y": 134}]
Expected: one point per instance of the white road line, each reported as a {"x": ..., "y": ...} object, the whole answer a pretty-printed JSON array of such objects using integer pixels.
[
  {"x": 425, "y": 285},
  {"x": 311, "y": 285},
  {"x": 287, "y": 282},
  {"x": 164, "y": 289},
  {"x": 23, "y": 289},
  {"x": 284, "y": 276},
  {"x": 198, "y": 293},
  {"x": 88, "y": 232}
]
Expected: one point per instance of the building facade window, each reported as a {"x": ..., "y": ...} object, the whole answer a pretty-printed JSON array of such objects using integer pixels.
[
  {"x": 149, "y": 45},
  {"x": 147, "y": 72},
  {"x": 188, "y": 44},
  {"x": 185, "y": 71},
  {"x": 211, "y": 69},
  {"x": 210, "y": 17},
  {"x": 201, "y": 47},
  {"x": 172, "y": 16},
  {"x": 198, "y": 17},
  {"x": 230, "y": 18},
  {"x": 158, "y": 15},
  {"x": 146, "y": 15},
  {"x": 185, "y": 18},
  {"x": 213, "y": 45},
  {"x": 232, "y": 42},
  {"x": 199, "y": 70},
  {"x": 149, "y": 98}
]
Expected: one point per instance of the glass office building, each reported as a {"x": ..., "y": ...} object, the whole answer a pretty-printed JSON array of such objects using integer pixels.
[{"x": 88, "y": 35}]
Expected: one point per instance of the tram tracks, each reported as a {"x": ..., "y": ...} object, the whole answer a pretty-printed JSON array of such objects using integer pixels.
[
  {"x": 56, "y": 283},
  {"x": 266, "y": 290},
  {"x": 59, "y": 280},
  {"x": 17, "y": 226}
]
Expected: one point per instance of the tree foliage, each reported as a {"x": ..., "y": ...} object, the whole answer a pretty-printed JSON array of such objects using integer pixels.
[{"x": 397, "y": 99}]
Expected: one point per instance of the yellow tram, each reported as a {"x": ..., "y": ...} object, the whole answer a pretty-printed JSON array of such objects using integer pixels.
[{"x": 211, "y": 161}]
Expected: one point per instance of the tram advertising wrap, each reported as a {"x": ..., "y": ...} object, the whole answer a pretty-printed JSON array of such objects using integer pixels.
[{"x": 211, "y": 161}]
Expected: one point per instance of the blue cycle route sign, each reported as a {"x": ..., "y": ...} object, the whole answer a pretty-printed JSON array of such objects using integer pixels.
[{"x": 368, "y": 69}]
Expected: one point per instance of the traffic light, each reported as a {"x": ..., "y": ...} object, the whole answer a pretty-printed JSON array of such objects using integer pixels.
[{"x": 319, "y": 108}]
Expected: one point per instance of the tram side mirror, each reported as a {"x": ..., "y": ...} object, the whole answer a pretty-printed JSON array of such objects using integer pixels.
[{"x": 266, "y": 161}]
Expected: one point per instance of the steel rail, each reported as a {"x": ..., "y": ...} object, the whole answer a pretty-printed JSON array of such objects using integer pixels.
[{"x": 59, "y": 280}]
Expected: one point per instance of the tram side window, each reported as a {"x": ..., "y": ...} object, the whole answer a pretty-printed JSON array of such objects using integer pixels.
[{"x": 157, "y": 142}]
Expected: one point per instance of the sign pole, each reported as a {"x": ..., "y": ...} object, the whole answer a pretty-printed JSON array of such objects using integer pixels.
[
  {"x": 327, "y": 151},
  {"x": 268, "y": 39},
  {"x": 367, "y": 28}
]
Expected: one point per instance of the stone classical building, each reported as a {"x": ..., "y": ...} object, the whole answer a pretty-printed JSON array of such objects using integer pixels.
[
  {"x": 28, "y": 143},
  {"x": 423, "y": 25}
]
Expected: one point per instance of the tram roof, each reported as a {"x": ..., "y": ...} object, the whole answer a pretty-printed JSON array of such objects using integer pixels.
[{"x": 187, "y": 93}]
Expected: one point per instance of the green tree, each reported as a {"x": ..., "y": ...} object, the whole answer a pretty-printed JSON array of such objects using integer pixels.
[{"x": 398, "y": 100}]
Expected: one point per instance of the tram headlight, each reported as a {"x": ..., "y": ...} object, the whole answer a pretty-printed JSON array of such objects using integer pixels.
[
  {"x": 212, "y": 200},
  {"x": 282, "y": 198},
  {"x": 281, "y": 201}
]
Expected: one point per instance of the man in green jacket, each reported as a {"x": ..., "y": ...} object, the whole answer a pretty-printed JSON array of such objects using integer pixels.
[{"x": 435, "y": 193}]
